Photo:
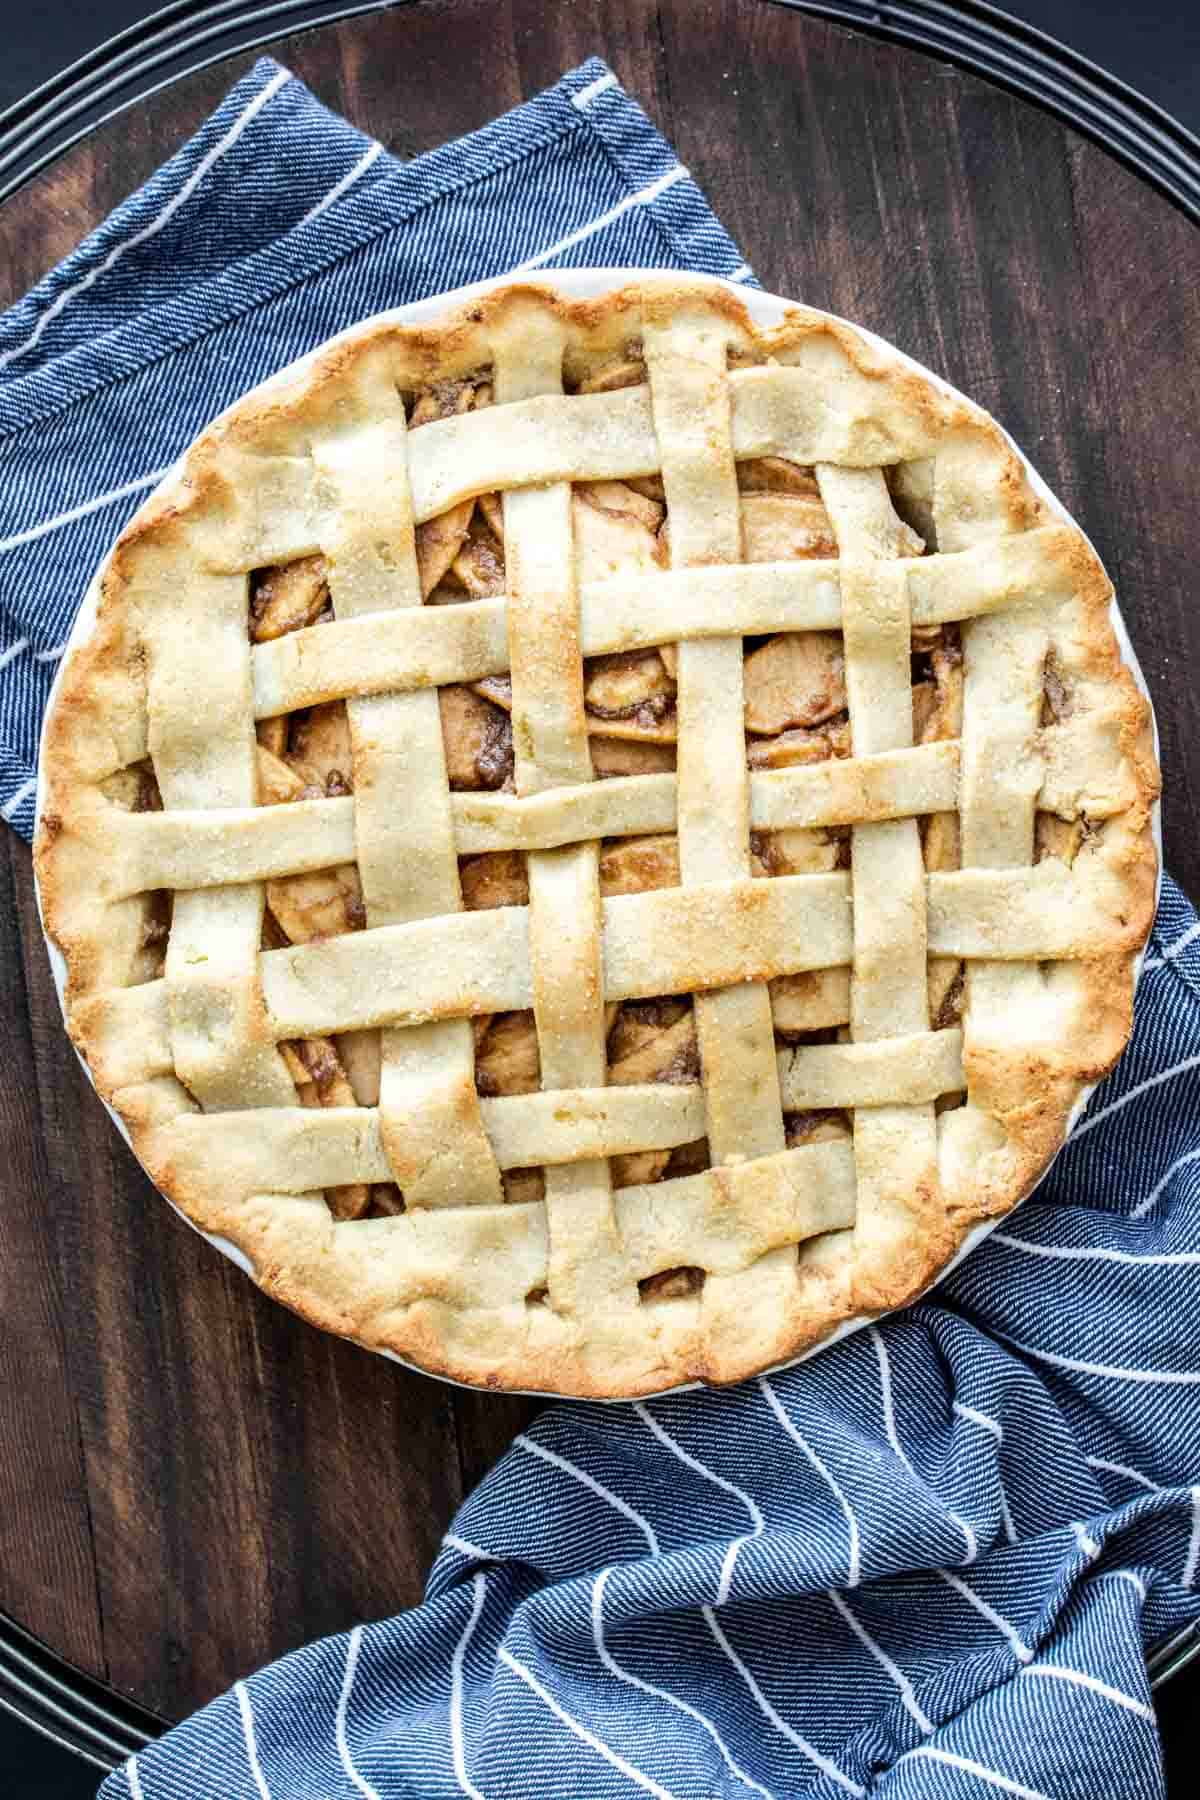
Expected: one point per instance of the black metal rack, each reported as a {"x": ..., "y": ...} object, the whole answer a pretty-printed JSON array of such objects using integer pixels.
[
  {"x": 184, "y": 37},
  {"x": 56, "y": 1699},
  {"x": 70, "y": 1708}
]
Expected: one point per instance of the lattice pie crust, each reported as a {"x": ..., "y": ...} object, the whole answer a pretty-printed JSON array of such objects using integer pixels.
[{"x": 594, "y": 842}]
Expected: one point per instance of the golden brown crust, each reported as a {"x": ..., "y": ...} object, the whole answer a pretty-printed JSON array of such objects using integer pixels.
[{"x": 461, "y": 1289}]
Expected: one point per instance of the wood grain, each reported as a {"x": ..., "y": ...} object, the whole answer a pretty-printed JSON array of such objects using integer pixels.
[{"x": 192, "y": 1480}]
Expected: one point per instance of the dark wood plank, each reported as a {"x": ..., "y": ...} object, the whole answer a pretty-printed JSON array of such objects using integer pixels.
[
  {"x": 487, "y": 1424},
  {"x": 47, "y": 1565},
  {"x": 1137, "y": 411},
  {"x": 193, "y": 1481}
]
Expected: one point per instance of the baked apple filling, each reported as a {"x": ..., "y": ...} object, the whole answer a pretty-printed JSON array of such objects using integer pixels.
[{"x": 795, "y": 714}]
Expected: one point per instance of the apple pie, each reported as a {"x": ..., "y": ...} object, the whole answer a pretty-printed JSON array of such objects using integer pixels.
[{"x": 594, "y": 841}]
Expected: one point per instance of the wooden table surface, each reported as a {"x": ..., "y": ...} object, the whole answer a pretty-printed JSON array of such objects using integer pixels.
[{"x": 191, "y": 1480}]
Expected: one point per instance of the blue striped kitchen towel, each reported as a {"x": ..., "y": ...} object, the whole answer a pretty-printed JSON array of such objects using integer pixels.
[{"x": 928, "y": 1562}]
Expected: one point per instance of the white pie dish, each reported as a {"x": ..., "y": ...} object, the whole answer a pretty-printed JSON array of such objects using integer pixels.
[{"x": 766, "y": 310}]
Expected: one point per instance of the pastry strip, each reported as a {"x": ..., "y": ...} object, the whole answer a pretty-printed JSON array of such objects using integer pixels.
[
  {"x": 587, "y": 1270},
  {"x": 404, "y": 832}
]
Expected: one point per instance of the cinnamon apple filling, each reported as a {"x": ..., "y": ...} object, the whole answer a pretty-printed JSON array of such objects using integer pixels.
[{"x": 795, "y": 714}]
